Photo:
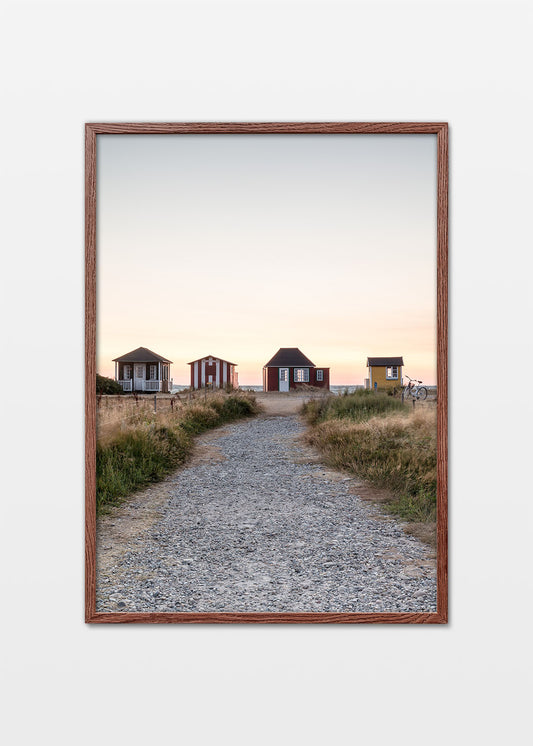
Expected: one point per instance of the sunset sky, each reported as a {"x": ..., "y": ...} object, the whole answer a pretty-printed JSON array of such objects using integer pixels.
[{"x": 237, "y": 245}]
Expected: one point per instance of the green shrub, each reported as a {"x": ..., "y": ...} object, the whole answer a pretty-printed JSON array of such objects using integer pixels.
[
  {"x": 199, "y": 417},
  {"x": 107, "y": 385},
  {"x": 235, "y": 407}
]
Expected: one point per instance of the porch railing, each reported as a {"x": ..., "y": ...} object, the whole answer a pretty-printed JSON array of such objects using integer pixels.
[
  {"x": 151, "y": 385},
  {"x": 141, "y": 385}
]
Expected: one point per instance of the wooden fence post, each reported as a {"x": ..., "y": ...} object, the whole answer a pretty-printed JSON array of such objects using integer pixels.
[{"x": 155, "y": 402}]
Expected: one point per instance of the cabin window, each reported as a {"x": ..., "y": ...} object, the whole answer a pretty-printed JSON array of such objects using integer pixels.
[
  {"x": 301, "y": 375},
  {"x": 127, "y": 372},
  {"x": 284, "y": 374},
  {"x": 392, "y": 373},
  {"x": 153, "y": 372},
  {"x": 165, "y": 372},
  {"x": 320, "y": 375},
  {"x": 139, "y": 371}
]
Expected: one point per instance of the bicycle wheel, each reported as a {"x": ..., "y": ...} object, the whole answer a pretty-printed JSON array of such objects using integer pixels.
[
  {"x": 407, "y": 392},
  {"x": 422, "y": 393}
]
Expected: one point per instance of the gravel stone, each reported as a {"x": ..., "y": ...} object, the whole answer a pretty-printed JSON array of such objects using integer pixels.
[{"x": 267, "y": 529}]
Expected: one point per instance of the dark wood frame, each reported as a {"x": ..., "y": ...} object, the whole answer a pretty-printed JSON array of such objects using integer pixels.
[{"x": 438, "y": 128}]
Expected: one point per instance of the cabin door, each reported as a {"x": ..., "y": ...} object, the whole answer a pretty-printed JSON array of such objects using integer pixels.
[
  {"x": 138, "y": 372},
  {"x": 283, "y": 379}
]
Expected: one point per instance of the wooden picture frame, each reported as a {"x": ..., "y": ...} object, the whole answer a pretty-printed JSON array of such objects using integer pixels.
[{"x": 92, "y": 131}]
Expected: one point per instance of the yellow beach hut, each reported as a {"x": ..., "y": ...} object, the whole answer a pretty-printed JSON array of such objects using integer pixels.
[{"x": 384, "y": 372}]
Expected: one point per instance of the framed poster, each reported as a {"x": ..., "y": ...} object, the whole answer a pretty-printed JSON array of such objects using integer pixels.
[{"x": 266, "y": 372}]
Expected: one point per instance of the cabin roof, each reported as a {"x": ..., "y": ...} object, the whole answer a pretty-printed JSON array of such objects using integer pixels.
[
  {"x": 141, "y": 355},
  {"x": 290, "y": 357},
  {"x": 205, "y": 357},
  {"x": 384, "y": 361}
]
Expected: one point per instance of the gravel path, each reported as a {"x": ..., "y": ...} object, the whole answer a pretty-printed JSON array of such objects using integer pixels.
[{"x": 260, "y": 525}]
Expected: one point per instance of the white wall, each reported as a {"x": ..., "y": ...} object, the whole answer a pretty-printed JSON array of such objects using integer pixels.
[{"x": 65, "y": 63}]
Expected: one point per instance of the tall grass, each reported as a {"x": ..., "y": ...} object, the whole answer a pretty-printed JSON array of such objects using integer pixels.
[
  {"x": 147, "y": 447},
  {"x": 357, "y": 407},
  {"x": 383, "y": 442}
]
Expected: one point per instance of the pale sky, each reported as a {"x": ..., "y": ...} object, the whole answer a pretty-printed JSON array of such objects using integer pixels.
[{"x": 237, "y": 245}]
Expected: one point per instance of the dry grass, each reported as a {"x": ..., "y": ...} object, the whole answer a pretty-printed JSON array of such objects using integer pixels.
[
  {"x": 120, "y": 409},
  {"x": 357, "y": 407},
  {"x": 396, "y": 451},
  {"x": 136, "y": 446}
]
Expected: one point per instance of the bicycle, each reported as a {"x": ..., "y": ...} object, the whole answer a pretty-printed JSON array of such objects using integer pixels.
[{"x": 415, "y": 390}]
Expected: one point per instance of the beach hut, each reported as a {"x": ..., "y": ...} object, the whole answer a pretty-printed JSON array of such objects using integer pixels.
[
  {"x": 290, "y": 369},
  {"x": 384, "y": 372},
  {"x": 213, "y": 372},
  {"x": 143, "y": 370}
]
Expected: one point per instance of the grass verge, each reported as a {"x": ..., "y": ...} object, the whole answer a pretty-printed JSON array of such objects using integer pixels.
[
  {"x": 148, "y": 447},
  {"x": 357, "y": 407},
  {"x": 382, "y": 441}
]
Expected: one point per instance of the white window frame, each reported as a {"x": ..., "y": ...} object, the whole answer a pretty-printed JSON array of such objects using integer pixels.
[
  {"x": 319, "y": 375},
  {"x": 127, "y": 372},
  {"x": 393, "y": 375},
  {"x": 153, "y": 372},
  {"x": 305, "y": 375}
]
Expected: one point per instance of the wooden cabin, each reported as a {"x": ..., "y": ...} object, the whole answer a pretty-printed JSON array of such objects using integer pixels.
[
  {"x": 213, "y": 372},
  {"x": 384, "y": 372},
  {"x": 290, "y": 369},
  {"x": 143, "y": 370}
]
